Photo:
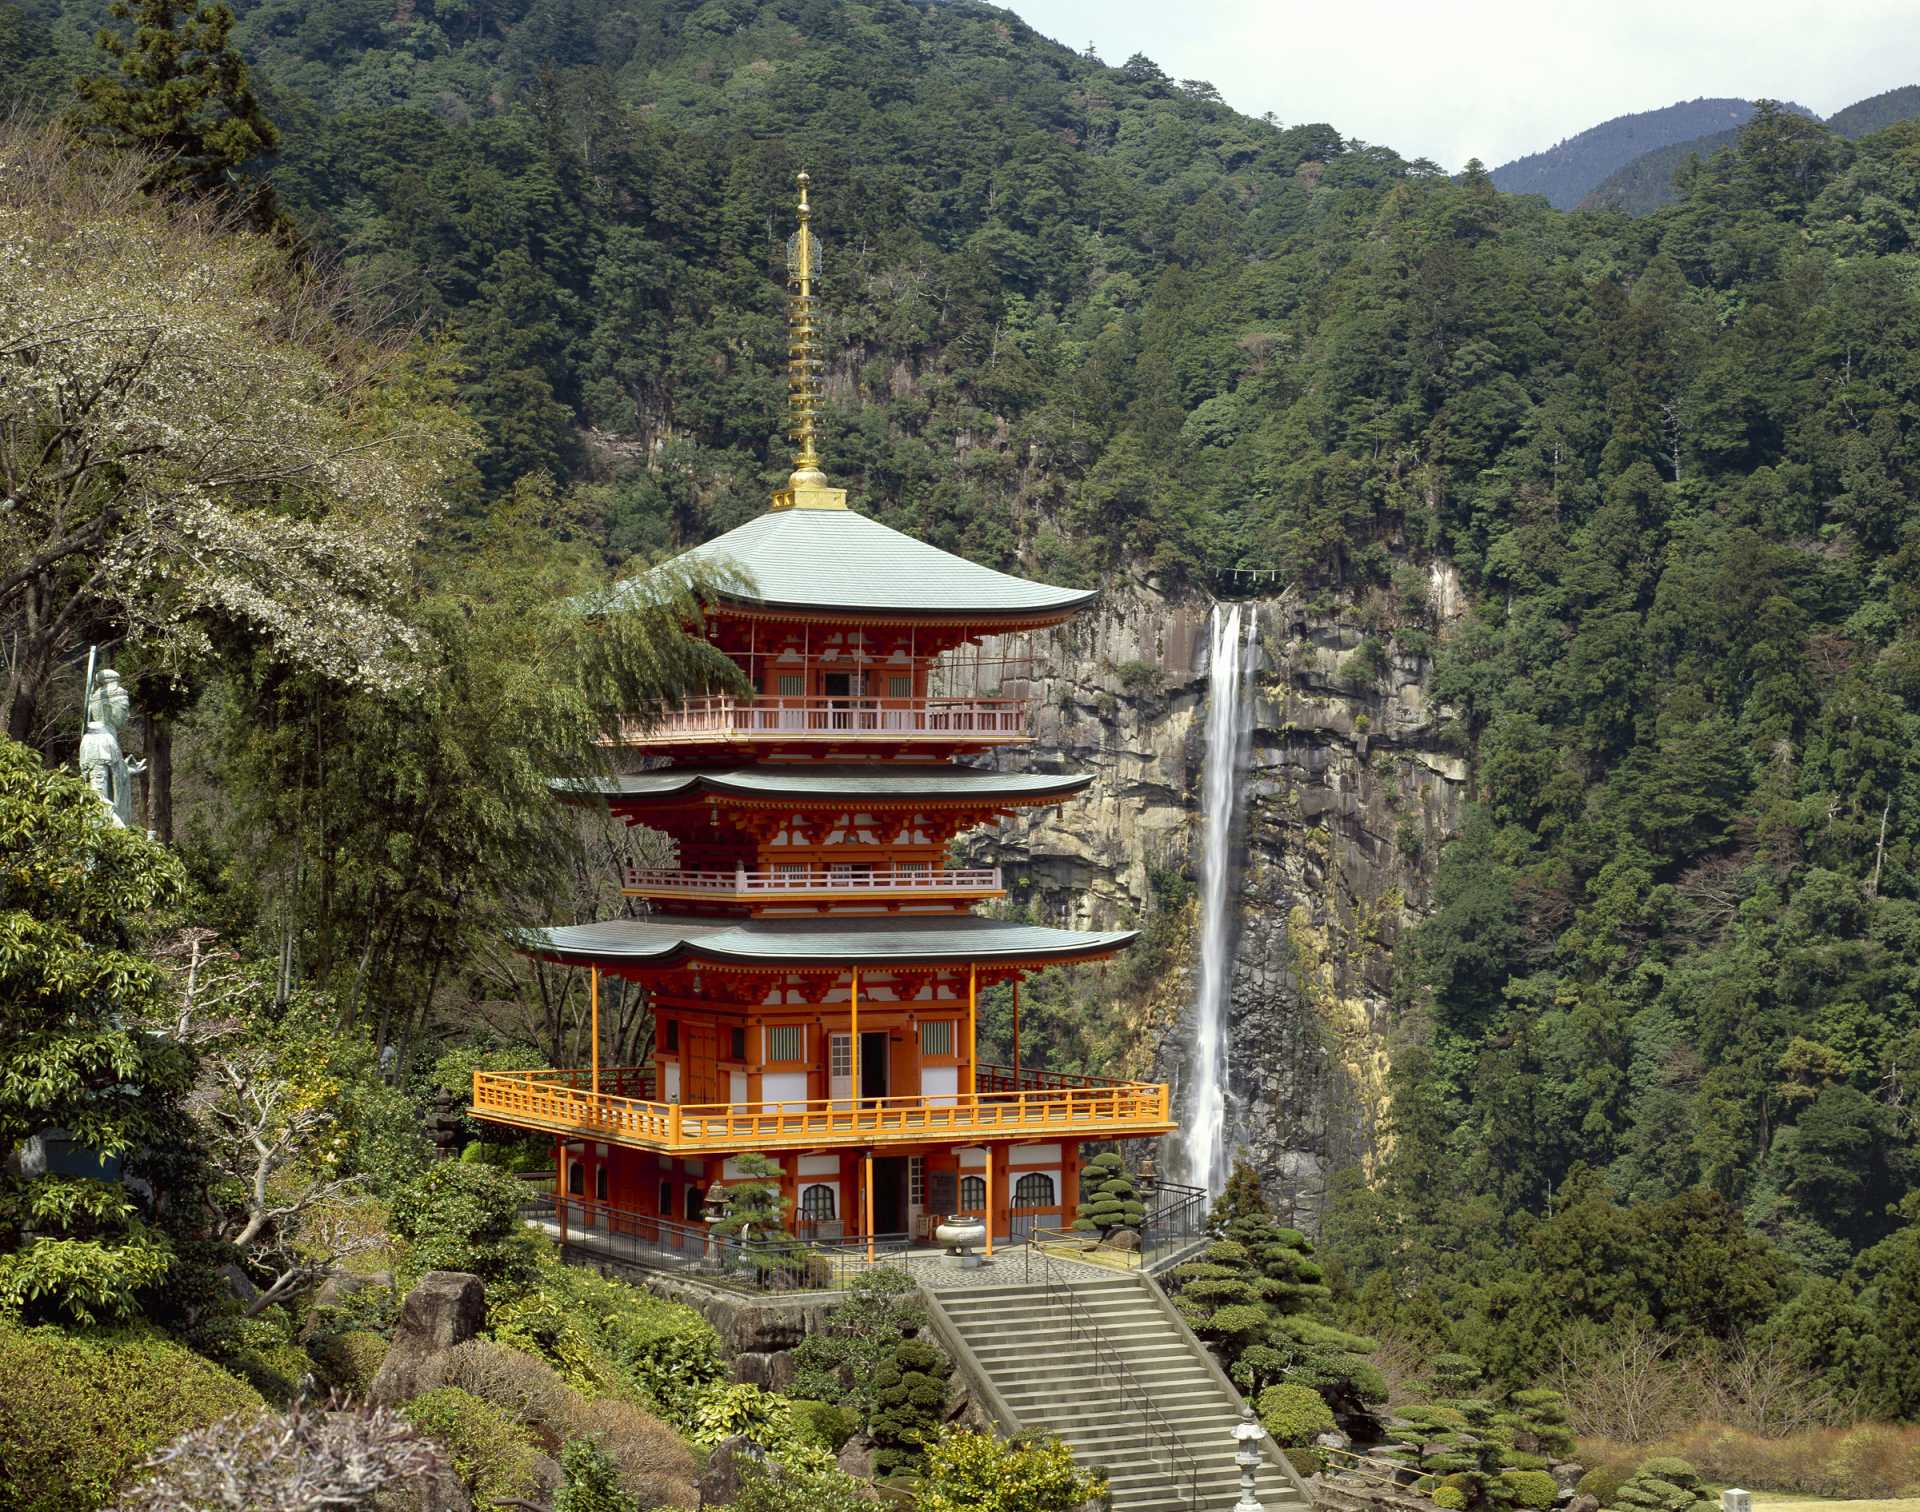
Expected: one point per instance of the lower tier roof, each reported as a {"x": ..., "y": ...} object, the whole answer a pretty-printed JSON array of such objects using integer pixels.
[
  {"x": 876, "y": 782},
  {"x": 827, "y": 943}
]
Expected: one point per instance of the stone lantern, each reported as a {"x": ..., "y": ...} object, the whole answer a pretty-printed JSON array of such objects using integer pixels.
[{"x": 1246, "y": 1437}]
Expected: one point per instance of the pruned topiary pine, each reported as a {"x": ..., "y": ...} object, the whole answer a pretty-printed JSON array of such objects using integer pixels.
[
  {"x": 1108, "y": 1199},
  {"x": 1294, "y": 1415}
]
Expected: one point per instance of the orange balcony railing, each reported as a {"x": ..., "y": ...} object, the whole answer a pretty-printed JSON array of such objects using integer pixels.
[
  {"x": 711, "y": 720},
  {"x": 812, "y": 881},
  {"x": 559, "y": 1102}
]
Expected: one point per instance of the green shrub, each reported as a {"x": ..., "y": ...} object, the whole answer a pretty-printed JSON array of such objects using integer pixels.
[
  {"x": 842, "y": 1363},
  {"x": 465, "y": 1218},
  {"x": 347, "y": 1362},
  {"x": 494, "y": 1456},
  {"x": 1294, "y": 1415},
  {"x": 966, "y": 1472},
  {"x": 1306, "y": 1461},
  {"x": 79, "y": 1410},
  {"x": 1530, "y": 1488},
  {"x": 910, "y": 1401},
  {"x": 1602, "y": 1483},
  {"x": 1450, "y": 1497},
  {"x": 592, "y": 1482},
  {"x": 262, "y": 1352},
  {"x": 722, "y": 1411},
  {"x": 800, "y": 1480},
  {"x": 1108, "y": 1200},
  {"x": 825, "y": 1425}
]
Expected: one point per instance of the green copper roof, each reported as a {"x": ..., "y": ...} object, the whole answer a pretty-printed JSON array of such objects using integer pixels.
[
  {"x": 877, "y": 782},
  {"x": 840, "y": 559},
  {"x": 813, "y": 942}
]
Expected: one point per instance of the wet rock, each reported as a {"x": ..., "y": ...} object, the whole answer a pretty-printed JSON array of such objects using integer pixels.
[{"x": 719, "y": 1482}]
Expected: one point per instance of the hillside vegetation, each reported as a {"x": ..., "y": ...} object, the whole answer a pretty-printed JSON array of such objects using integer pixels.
[
  {"x": 1569, "y": 170},
  {"x": 1654, "y": 1055}
]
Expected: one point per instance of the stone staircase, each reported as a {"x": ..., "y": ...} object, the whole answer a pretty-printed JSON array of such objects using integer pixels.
[{"x": 1075, "y": 1360}]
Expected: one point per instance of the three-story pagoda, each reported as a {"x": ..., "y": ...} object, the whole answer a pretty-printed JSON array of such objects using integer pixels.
[{"x": 813, "y": 962}]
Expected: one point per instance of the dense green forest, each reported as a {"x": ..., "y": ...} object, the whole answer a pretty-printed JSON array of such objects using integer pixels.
[{"x": 1656, "y": 1060}]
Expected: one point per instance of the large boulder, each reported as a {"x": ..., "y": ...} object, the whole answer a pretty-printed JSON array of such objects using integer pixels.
[
  {"x": 445, "y": 1309},
  {"x": 719, "y": 1482}
]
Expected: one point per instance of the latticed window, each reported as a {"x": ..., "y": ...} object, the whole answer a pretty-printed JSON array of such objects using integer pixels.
[
  {"x": 936, "y": 1036},
  {"x": 900, "y": 685},
  {"x": 840, "y": 1055},
  {"x": 916, "y": 1178},
  {"x": 1033, "y": 1190},
  {"x": 816, "y": 1202},
  {"x": 786, "y": 1042},
  {"x": 973, "y": 1193},
  {"x": 793, "y": 684}
]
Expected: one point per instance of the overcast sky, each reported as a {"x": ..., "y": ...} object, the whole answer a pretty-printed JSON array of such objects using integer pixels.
[{"x": 1493, "y": 79}]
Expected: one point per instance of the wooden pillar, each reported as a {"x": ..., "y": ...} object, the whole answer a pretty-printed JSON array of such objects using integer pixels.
[
  {"x": 989, "y": 1153},
  {"x": 973, "y": 1032},
  {"x": 867, "y": 1203},
  {"x": 560, "y": 1186},
  {"x": 593, "y": 997},
  {"x": 854, "y": 1034}
]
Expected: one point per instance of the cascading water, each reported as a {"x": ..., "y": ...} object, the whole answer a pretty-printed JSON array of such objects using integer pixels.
[{"x": 1229, "y": 724}]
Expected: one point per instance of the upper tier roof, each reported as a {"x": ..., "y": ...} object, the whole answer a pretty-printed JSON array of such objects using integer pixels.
[
  {"x": 825, "y": 942},
  {"x": 872, "y": 781},
  {"x": 817, "y": 559}
]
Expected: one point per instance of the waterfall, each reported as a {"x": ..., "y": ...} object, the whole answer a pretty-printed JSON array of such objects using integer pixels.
[{"x": 1229, "y": 725}]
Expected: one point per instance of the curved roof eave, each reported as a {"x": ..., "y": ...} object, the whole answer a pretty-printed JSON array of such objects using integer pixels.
[
  {"x": 935, "y": 784},
  {"x": 823, "y": 942}
]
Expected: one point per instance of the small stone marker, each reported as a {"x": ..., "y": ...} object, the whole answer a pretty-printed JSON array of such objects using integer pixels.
[{"x": 1733, "y": 1499}]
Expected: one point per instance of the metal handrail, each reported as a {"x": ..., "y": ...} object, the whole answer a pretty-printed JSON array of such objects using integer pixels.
[
  {"x": 1153, "y": 1422},
  {"x": 826, "y": 879},
  {"x": 725, "y": 718}
]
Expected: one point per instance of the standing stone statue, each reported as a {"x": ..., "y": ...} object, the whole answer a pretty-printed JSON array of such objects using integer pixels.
[{"x": 102, "y": 762}]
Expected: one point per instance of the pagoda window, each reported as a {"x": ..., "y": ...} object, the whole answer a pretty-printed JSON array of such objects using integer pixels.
[
  {"x": 576, "y": 1179},
  {"x": 973, "y": 1194},
  {"x": 695, "y": 1204},
  {"x": 936, "y": 1038},
  {"x": 817, "y": 1202},
  {"x": 1034, "y": 1190},
  {"x": 665, "y": 1204},
  {"x": 917, "y": 1180},
  {"x": 670, "y": 1037},
  {"x": 737, "y": 1044},
  {"x": 792, "y": 685},
  {"x": 600, "y": 1182},
  {"x": 786, "y": 1042},
  {"x": 900, "y": 685}
]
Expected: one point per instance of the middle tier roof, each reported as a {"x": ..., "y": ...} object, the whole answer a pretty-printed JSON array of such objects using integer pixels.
[
  {"x": 819, "y": 943},
  {"x": 876, "y": 782}
]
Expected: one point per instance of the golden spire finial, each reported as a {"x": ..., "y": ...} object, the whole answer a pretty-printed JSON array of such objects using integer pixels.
[{"x": 807, "y": 487}]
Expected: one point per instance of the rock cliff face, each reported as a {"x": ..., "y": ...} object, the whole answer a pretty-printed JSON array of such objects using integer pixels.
[{"x": 1350, "y": 790}]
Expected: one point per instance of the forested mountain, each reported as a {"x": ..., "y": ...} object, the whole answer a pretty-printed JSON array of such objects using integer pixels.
[
  {"x": 1569, "y": 170},
  {"x": 1647, "y": 183},
  {"x": 1089, "y": 320}
]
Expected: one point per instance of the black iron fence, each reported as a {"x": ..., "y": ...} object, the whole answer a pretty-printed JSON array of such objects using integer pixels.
[
  {"x": 1176, "y": 1217},
  {"x": 593, "y": 1233}
]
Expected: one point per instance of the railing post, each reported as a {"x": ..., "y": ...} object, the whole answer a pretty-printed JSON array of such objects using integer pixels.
[{"x": 673, "y": 1125}]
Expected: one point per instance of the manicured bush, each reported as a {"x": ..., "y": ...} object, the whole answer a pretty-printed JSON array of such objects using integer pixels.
[
  {"x": 976, "y": 1472},
  {"x": 825, "y": 1425},
  {"x": 1450, "y": 1497},
  {"x": 262, "y": 1352},
  {"x": 523, "y": 1386},
  {"x": 910, "y": 1401},
  {"x": 1108, "y": 1199},
  {"x": 493, "y": 1455},
  {"x": 347, "y": 1362},
  {"x": 80, "y": 1410},
  {"x": 1294, "y": 1415},
  {"x": 1530, "y": 1488},
  {"x": 1664, "y": 1483},
  {"x": 1603, "y": 1483},
  {"x": 841, "y": 1363}
]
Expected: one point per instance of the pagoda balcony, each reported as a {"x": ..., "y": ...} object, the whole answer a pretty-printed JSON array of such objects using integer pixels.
[
  {"x": 1024, "y": 1105},
  {"x": 829, "y": 721},
  {"x": 793, "y": 884}
]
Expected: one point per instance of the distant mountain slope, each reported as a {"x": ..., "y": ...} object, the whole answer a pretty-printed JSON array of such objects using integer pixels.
[
  {"x": 1877, "y": 112},
  {"x": 1567, "y": 172},
  {"x": 1645, "y": 184}
]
